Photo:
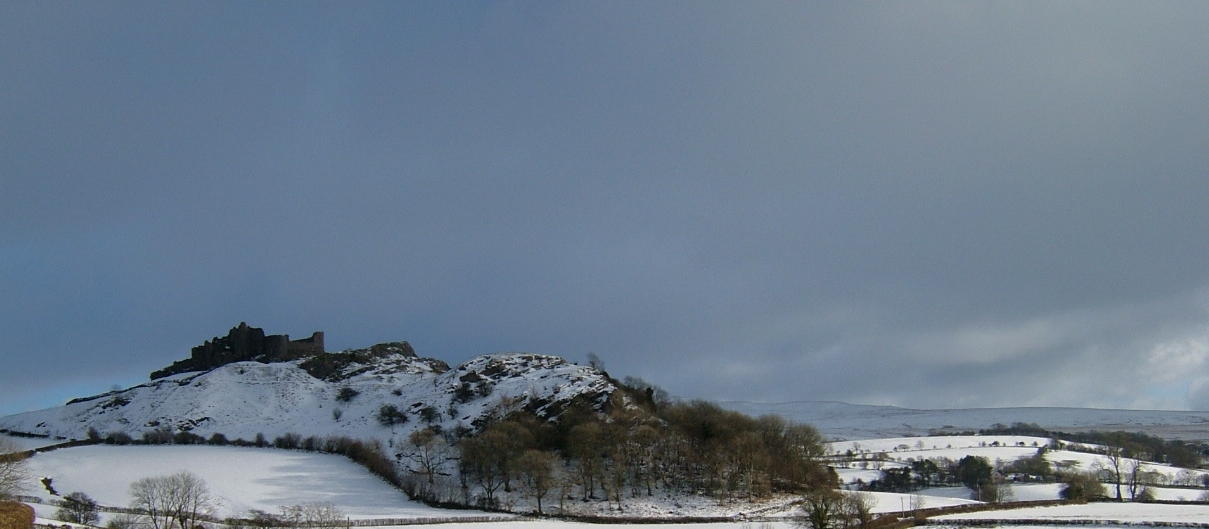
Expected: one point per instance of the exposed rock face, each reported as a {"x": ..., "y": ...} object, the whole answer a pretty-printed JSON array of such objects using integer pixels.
[
  {"x": 242, "y": 344},
  {"x": 384, "y": 357}
]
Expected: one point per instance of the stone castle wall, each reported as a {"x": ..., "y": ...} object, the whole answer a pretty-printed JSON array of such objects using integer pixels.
[{"x": 241, "y": 344}]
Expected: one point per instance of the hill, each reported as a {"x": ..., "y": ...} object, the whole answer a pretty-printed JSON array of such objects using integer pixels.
[{"x": 384, "y": 392}]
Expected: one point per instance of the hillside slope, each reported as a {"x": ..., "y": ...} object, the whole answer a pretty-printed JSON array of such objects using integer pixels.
[{"x": 330, "y": 394}]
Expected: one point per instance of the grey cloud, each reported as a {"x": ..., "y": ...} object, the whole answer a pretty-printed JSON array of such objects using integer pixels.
[{"x": 875, "y": 203}]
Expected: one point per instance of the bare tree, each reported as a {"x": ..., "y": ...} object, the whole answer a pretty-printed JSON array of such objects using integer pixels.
[
  {"x": 595, "y": 362},
  {"x": 176, "y": 501},
  {"x": 429, "y": 452},
  {"x": 586, "y": 443},
  {"x": 1081, "y": 486},
  {"x": 313, "y": 515},
  {"x": 13, "y": 472},
  {"x": 856, "y": 509},
  {"x": 1115, "y": 456},
  {"x": 78, "y": 507},
  {"x": 124, "y": 521},
  {"x": 822, "y": 508},
  {"x": 482, "y": 463},
  {"x": 537, "y": 474},
  {"x": 1133, "y": 468},
  {"x": 1141, "y": 481}
]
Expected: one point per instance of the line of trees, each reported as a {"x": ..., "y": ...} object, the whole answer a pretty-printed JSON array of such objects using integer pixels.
[
  {"x": 1125, "y": 477},
  {"x": 639, "y": 447},
  {"x": 368, "y": 454},
  {"x": 182, "y": 500},
  {"x": 310, "y": 515},
  {"x": 976, "y": 473},
  {"x": 1135, "y": 445}
]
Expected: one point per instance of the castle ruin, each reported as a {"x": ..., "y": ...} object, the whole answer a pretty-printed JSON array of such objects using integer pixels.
[{"x": 242, "y": 344}]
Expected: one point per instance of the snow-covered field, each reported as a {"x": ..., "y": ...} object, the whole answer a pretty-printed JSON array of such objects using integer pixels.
[
  {"x": 241, "y": 478},
  {"x": 1002, "y": 448},
  {"x": 266, "y": 479},
  {"x": 244, "y": 399},
  {"x": 1124, "y": 513},
  {"x": 245, "y": 479}
]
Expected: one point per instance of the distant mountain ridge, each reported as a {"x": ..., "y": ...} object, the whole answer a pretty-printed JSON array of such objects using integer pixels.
[{"x": 843, "y": 421}]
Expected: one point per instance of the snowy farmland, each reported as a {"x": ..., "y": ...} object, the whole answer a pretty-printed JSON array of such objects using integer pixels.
[
  {"x": 1108, "y": 513},
  {"x": 244, "y": 479},
  {"x": 900, "y": 451}
]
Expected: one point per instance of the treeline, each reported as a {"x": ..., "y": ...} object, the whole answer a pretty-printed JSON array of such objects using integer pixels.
[
  {"x": 637, "y": 447},
  {"x": 1135, "y": 445},
  {"x": 368, "y": 454},
  {"x": 976, "y": 473}
]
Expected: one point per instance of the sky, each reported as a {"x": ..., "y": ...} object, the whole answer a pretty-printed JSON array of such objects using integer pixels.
[{"x": 921, "y": 204}]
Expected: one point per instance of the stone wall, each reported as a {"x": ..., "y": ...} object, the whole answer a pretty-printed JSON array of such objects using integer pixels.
[{"x": 305, "y": 347}]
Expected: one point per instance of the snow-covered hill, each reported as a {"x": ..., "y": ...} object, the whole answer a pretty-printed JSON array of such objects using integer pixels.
[{"x": 334, "y": 394}]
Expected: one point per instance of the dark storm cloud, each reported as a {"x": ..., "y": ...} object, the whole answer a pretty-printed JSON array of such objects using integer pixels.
[{"x": 926, "y": 205}]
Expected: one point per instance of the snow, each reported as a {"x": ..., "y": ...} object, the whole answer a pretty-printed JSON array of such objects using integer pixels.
[
  {"x": 931, "y": 444},
  {"x": 995, "y": 448},
  {"x": 266, "y": 479},
  {"x": 243, "y": 399},
  {"x": 1124, "y": 513},
  {"x": 242, "y": 479},
  {"x": 558, "y": 524}
]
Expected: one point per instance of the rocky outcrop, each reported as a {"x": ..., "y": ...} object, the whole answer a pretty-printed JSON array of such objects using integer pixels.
[
  {"x": 241, "y": 344},
  {"x": 383, "y": 357}
]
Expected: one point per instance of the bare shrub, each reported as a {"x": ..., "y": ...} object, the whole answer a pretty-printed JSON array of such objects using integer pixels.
[
  {"x": 312, "y": 515},
  {"x": 13, "y": 471},
  {"x": 177, "y": 500},
  {"x": 78, "y": 507}
]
